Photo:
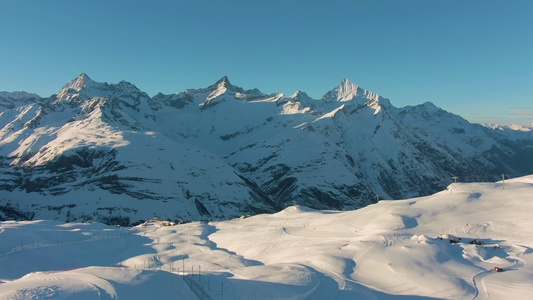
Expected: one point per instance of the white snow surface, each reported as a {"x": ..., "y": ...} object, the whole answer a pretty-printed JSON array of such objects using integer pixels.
[
  {"x": 514, "y": 127},
  {"x": 392, "y": 249}
]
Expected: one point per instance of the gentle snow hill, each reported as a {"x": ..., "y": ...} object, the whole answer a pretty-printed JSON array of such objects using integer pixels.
[
  {"x": 111, "y": 153},
  {"x": 441, "y": 246}
]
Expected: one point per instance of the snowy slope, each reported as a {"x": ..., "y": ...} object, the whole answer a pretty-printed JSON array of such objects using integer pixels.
[
  {"x": 388, "y": 250},
  {"x": 110, "y": 153}
]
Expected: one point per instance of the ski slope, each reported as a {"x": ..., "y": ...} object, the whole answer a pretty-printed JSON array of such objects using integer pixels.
[{"x": 389, "y": 250}]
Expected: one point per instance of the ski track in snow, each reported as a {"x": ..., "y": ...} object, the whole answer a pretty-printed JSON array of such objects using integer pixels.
[{"x": 483, "y": 293}]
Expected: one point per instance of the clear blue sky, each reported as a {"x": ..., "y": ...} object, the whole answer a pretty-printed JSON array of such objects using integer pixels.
[{"x": 472, "y": 58}]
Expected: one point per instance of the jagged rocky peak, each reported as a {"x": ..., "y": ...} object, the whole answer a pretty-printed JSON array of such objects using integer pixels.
[
  {"x": 84, "y": 88},
  {"x": 81, "y": 88},
  {"x": 224, "y": 87},
  {"x": 300, "y": 98},
  {"x": 79, "y": 83},
  {"x": 223, "y": 83},
  {"x": 125, "y": 86},
  {"x": 299, "y": 95},
  {"x": 348, "y": 91}
]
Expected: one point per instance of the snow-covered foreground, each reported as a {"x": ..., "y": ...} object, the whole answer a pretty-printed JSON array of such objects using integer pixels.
[{"x": 393, "y": 249}]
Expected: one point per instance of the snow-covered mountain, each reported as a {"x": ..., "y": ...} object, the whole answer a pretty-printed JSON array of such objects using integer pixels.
[
  {"x": 513, "y": 127},
  {"x": 110, "y": 152}
]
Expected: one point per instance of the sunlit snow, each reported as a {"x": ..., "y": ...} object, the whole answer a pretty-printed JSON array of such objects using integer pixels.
[{"x": 441, "y": 246}]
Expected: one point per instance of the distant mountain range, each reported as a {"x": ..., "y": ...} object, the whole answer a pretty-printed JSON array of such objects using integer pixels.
[{"x": 111, "y": 153}]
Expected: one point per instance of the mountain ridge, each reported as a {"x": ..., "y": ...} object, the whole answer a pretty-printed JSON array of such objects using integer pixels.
[{"x": 223, "y": 151}]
